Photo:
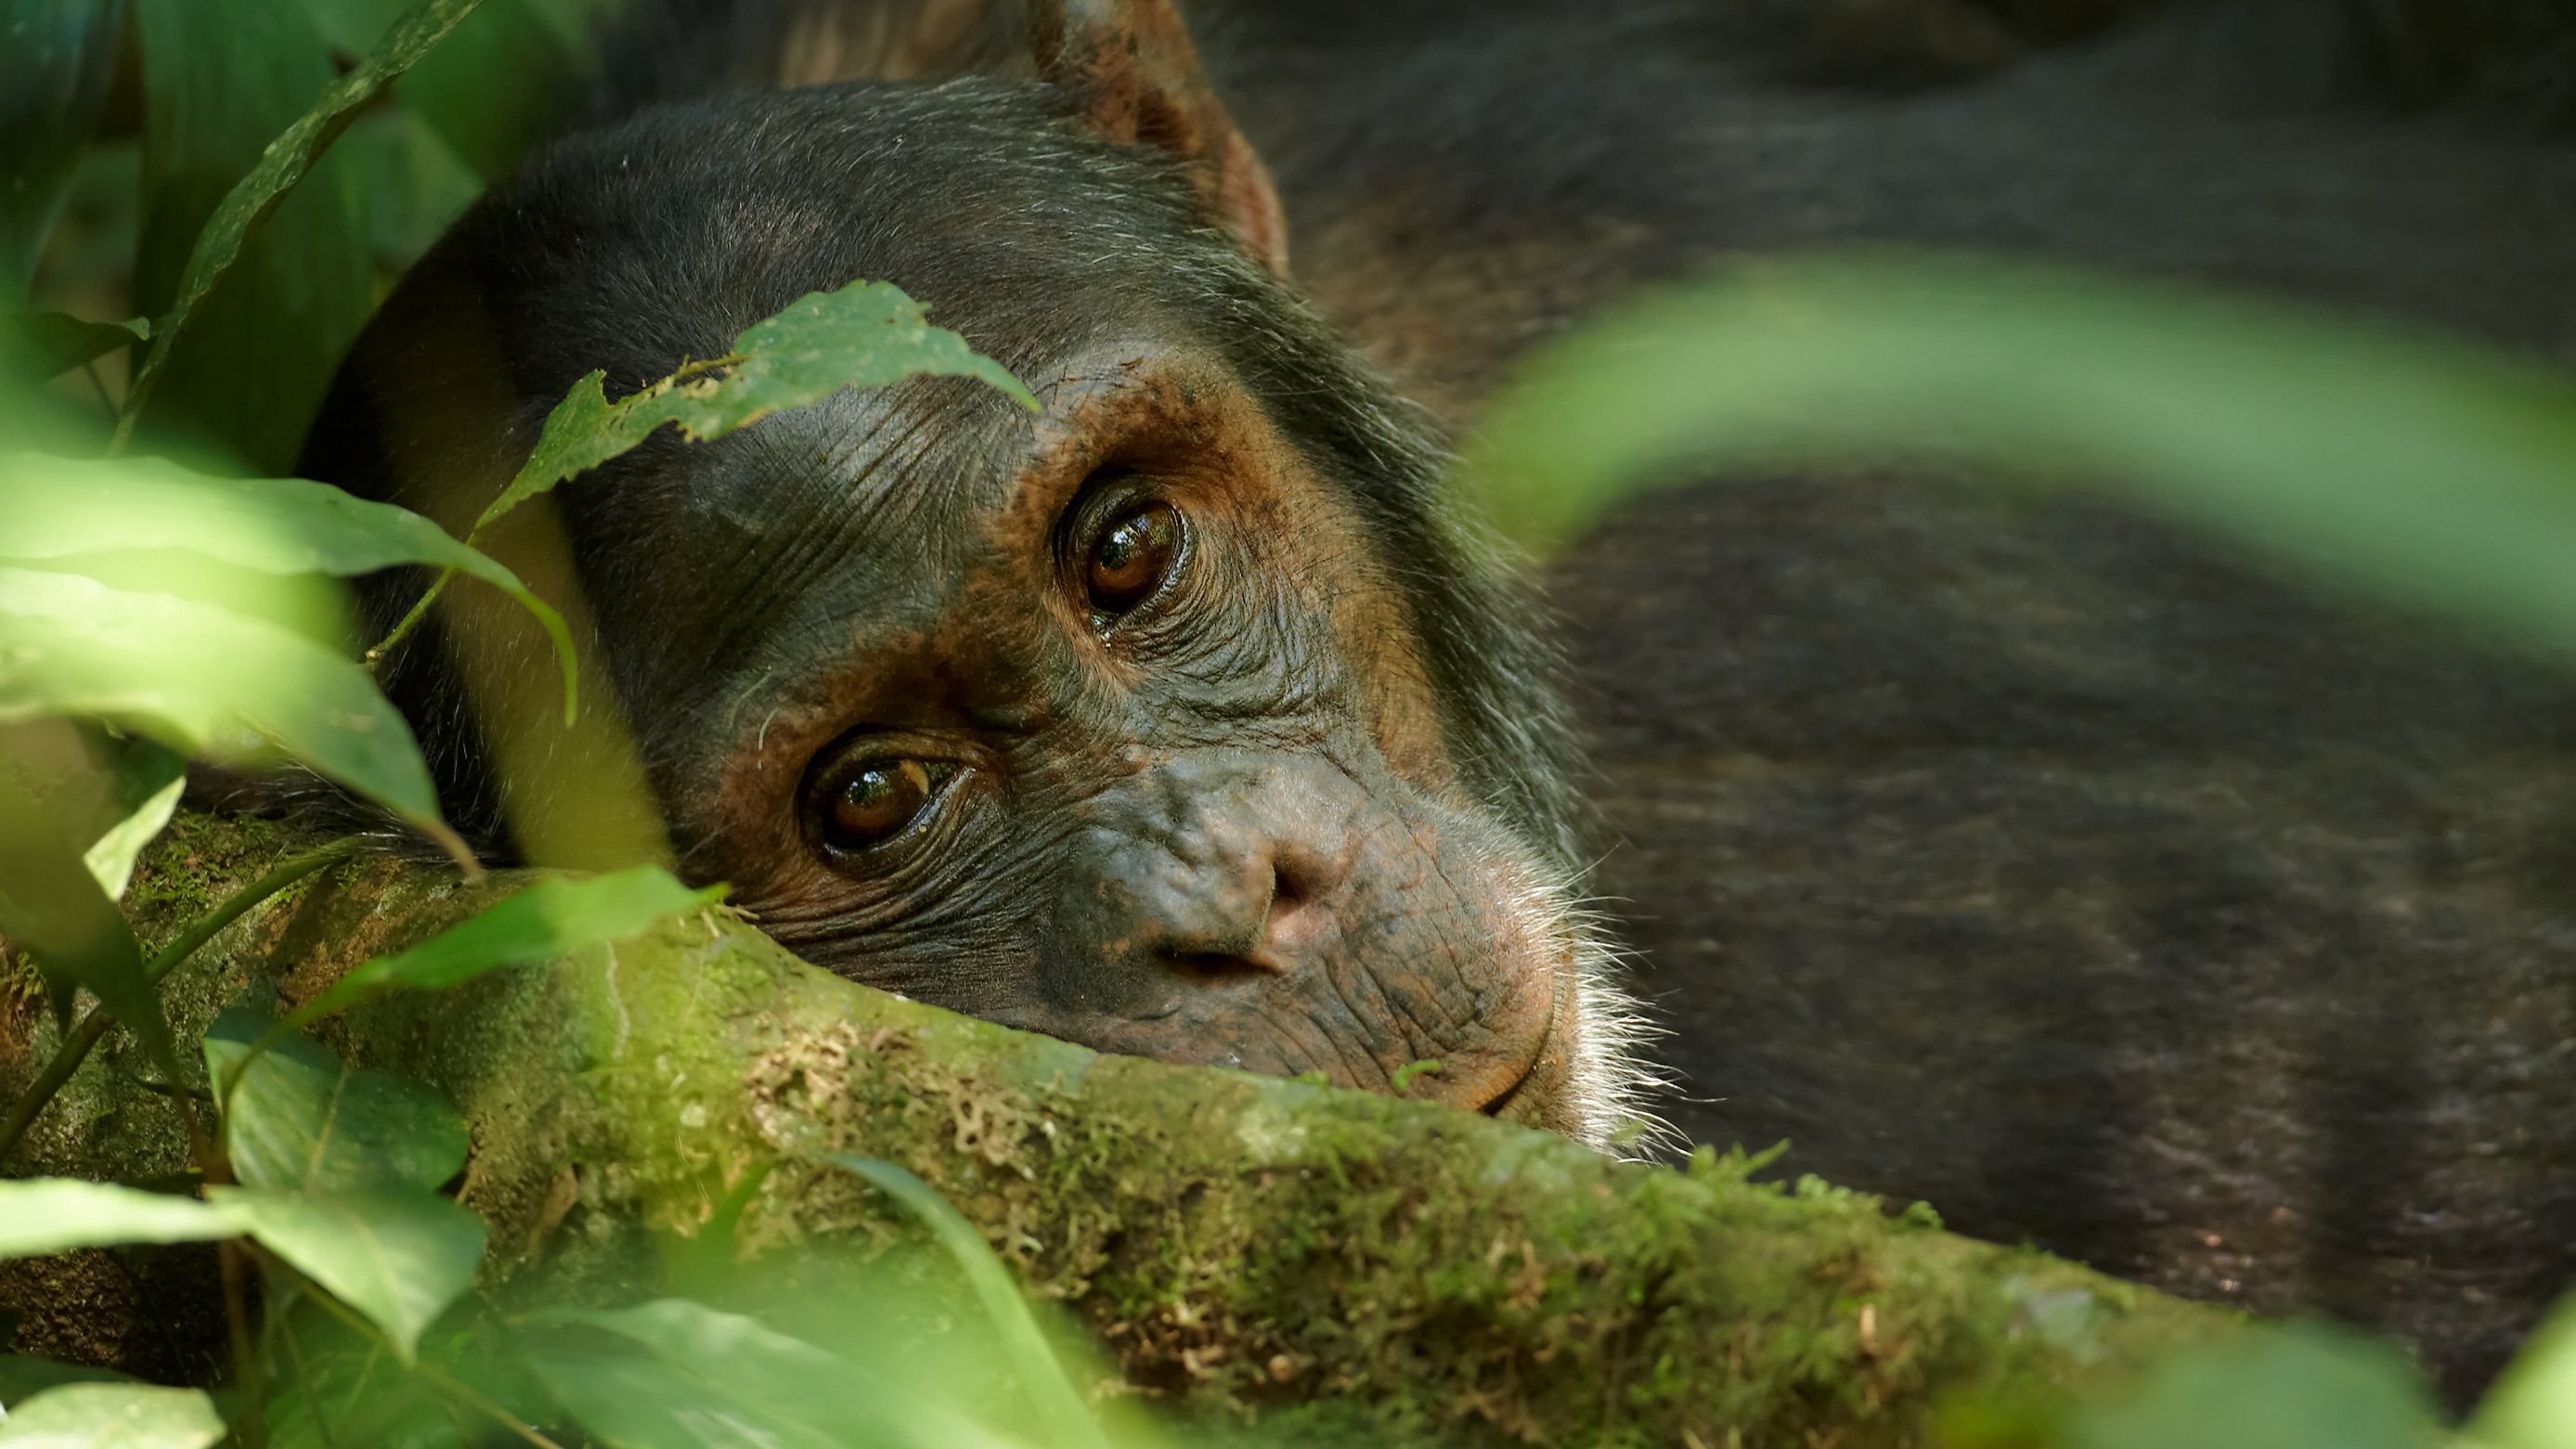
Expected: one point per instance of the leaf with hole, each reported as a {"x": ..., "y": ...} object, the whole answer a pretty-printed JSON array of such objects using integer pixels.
[
  {"x": 399, "y": 1258},
  {"x": 206, "y": 681},
  {"x": 54, "y": 909},
  {"x": 550, "y": 919},
  {"x": 45, "y": 1215},
  {"x": 867, "y": 334},
  {"x": 113, "y": 1416},
  {"x": 301, "y": 1118},
  {"x": 63, "y": 508}
]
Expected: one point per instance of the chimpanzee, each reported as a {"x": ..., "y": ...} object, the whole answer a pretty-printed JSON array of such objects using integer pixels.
[
  {"x": 2023, "y": 858},
  {"x": 1179, "y": 719}
]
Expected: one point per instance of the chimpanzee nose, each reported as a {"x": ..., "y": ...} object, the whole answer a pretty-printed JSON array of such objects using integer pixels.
[{"x": 1225, "y": 862}]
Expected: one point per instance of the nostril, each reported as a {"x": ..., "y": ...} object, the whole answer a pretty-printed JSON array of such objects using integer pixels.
[{"x": 1215, "y": 966}]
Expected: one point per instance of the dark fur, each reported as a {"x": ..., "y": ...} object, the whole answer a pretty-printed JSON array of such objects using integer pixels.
[{"x": 2028, "y": 858}]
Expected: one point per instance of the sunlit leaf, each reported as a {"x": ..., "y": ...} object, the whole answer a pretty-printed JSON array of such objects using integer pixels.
[
  {"x": 56, "y": 1214},
  {"x": 23, "y": 1376},
  {"x": 866, "y": 334},
  {"x": 552, "y": 918},
  {"x": 301, "y": 1118},
  {"x": 172, "y": 23},
  {"x": 61, "y": 342},
  {"x": 2410, "y": 464},
  {"x": 149, "y": 782},
  {"x": 2305, "y": 1386},
  {"x": 2534, "y": 1405},
  {"x": 56, "y": 58},
  {"x": 1041, "y": 1377},
  {"x": 113, "y": 1416},
  {"x": 56, "y": 911},
  {"x": 206, "y": 681},
  {"x": 400, "y": 1258},
  {"x": 634, "y": 1401},
  {"x": 725, "y": 1376},
  {"x": 55, "y": 508}
]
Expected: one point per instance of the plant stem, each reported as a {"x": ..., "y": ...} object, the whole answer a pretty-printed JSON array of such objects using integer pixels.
[
  {"x": 76, "y": 1046},
  {"x": 440, "y": 1379}
]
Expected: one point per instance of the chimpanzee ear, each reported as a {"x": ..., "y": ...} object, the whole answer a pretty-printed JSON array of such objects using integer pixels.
[{"x": 1132, "y": 74}]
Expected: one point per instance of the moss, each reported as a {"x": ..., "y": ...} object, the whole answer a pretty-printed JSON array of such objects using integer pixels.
[{"x": 1246, "y": 1249}]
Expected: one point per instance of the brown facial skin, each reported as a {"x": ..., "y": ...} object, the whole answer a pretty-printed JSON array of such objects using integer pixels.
[{"x": 1207, "y": 819}]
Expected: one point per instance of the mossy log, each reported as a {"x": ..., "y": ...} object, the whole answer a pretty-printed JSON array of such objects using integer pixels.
[{"x": 1271, "y": 1248}]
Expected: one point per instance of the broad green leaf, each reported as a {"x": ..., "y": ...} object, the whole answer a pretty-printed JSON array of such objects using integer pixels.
[
  {"x": 55, "y": 910},
  {"x": 2534, "y": 1405},
  {"x": 552, "y": 918},
  {"x": 61, "y": 342},
  {"x": 867, "y": 334},
  {"x": 2305, "y": 1386},
  {"x": 300, "y": 1118},
  {"x": 57, "y": 1214},
  {"x": 113, "y": 1416},
  {"x": 2410, "y": 464},
  {"x": 399, "y": 1258},
  {"x": 203, "y": 680},
  {"x": 633, "y": 1401},
  {"x": 1041, "y": 1377},
  {"x": 264, "y": 31},
  {"x": 725, "y": 1374},
  {"x": 56, "y": 59},
  {"x": 149, "y": 782},
  {"x": 52, "y": 508},
  {"x": 491, "y": 90},
  {"x": 23, "y": 1376}
]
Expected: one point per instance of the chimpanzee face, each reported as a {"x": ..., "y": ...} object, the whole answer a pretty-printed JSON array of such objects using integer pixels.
[{"x": 1176, "y": 719}]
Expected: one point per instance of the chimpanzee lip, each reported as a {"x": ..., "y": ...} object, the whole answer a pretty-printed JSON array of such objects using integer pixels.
[{"x": 1503, "y": 1100}]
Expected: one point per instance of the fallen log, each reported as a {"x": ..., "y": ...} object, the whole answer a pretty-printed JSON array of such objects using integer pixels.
[{"x": 1306, "y": 1257}]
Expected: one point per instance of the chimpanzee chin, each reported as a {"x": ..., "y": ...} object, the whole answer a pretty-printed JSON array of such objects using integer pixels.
[{"x": 1181, "y": 718}]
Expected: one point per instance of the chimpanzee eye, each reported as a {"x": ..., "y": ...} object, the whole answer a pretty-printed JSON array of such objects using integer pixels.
[
  {"x": 1131, "y": 557},
  {"x": 874, "y": 801}
]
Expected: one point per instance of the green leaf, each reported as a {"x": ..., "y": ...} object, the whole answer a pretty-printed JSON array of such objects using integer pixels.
[
  {"x": 205, "y": 681},
  {"x": 285, "y": 160},
  {"x": 300, "y": 1118},
  {"x": 60, "y": 341},
  {"x": 1041, "y": 1377},
  {"x": 149, "y": 782},
  {"x": 2533, "y": 1406},
  {"x": 399, "y": 1258},
  {"x": 23, "y": 1376},
  {"x": 867, "y": 334},
  {"x": 2306, "y": 1386},
  {"x": 52, "y": 508},
  {"x": 56, "y": 59},
  {"x": 56, "y": 1214},
  {"x": 491, "y": 90},
  {"x": 221, "y": 79},
  {"x": 2409, "y": 464},
  {"x": 55, "y": 910},
  {"x": 113, "y": 1416},
  {"x": 714, "y": 1378},
  {"x": 632, "y": 1401},
  {"x": 552, "y": 918}
]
